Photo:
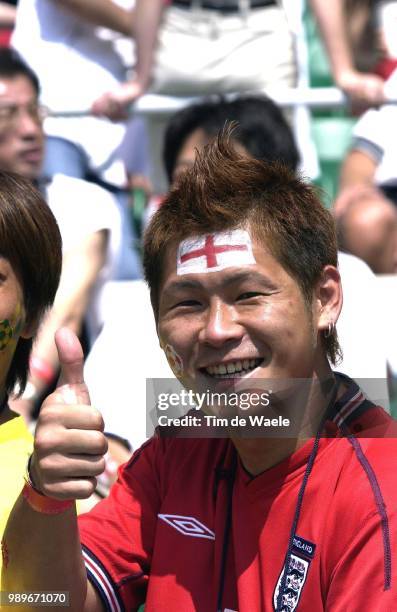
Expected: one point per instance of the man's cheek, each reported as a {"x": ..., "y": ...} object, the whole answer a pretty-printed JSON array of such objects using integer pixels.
[{"x": 174, "y": 359}]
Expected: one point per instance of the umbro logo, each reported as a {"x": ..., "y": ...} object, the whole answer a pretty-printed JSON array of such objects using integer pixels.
[{"x": 187, "y": 525}]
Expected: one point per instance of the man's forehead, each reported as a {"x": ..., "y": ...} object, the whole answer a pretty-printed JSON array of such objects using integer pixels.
[
  {"x": 16, "y": 86},
  {"x": 214, "y": 252},
  {"x": 208, "y": 262},
  {"x": 5, "y": 89}
]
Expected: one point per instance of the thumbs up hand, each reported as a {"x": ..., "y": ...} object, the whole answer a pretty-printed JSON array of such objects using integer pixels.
[{"x": 69, "y": 442}]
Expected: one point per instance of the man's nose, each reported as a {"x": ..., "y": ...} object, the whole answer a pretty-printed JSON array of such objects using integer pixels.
[
  {"x": 28, "y": 124},
  {"x": 220, "y": 325}
]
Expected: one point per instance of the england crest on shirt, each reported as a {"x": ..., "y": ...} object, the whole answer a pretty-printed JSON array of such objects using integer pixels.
[{"x": 302, "y": 554}]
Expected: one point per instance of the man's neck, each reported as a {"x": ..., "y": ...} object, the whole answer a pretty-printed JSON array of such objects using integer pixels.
[{"x": 260, "y": 454}]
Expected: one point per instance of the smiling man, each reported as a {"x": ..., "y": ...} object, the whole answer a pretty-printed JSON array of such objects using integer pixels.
[{"x": 241, "y": 262}]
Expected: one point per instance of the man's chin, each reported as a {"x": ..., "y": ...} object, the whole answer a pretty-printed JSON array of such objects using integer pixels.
[
  {"x": 32, "y": 174},
  {"x": 31, "y": 171}
]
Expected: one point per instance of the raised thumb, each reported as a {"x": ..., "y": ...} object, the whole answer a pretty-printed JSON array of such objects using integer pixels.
[{"x": 71, "y": 383}]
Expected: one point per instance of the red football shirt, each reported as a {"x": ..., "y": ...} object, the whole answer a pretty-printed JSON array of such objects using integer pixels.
[{"x": 163, "y": 532}]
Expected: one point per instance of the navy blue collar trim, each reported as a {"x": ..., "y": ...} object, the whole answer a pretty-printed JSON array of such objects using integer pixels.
[{"x": 351, "y": 405}]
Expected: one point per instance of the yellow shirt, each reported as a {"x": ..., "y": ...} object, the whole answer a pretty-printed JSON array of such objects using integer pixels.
[{"x": 16, "y": 444}]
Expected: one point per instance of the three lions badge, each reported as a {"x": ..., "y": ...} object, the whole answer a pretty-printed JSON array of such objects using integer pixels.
[{"x": 302, "y": 554}]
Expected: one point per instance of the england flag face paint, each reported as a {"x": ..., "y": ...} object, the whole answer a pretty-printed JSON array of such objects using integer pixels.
[
  {"x": 214, "y": 252},
  {"x": 174, "y": 360}
]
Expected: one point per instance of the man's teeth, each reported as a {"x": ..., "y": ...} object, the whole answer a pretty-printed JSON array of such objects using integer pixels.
[{"x": 235, "y": 367}]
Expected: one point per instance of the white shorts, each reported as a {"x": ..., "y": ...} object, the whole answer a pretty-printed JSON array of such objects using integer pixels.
[{"x": 203, "y": 51}]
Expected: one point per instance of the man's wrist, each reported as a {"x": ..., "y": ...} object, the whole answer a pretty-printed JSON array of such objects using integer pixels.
[
  {"x": 29, "y": 478},
  {"x": 141, "y": 81},
  {"x": 37, "y": 500},
  {"x": 345, "y": 76},
  {"x": 44, "y": 504}
]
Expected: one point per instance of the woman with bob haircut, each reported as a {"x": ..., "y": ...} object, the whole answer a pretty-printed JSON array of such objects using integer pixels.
[{"x": 30, "y": 267}]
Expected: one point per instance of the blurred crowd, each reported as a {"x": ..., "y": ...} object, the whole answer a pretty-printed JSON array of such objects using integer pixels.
[{"x": 70, "y": 74}]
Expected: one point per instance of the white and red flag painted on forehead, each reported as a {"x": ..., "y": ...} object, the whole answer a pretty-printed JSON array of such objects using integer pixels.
[{"x": 213, "y": 252}]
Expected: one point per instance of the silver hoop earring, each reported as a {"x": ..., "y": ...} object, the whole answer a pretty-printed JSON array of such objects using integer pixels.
[{"x": 330, "y": 329}]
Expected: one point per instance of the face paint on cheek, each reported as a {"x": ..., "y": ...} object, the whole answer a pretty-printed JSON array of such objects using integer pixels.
[
  {"x": 11, "y": 328},
  {"x": 6, "y": 334},
  {"x": 174, "y": 360},
  {"x": 213, "y": 252}
]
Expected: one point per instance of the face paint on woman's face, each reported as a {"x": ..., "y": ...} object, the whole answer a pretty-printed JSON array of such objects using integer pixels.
[{"x": 11, "y": 328}]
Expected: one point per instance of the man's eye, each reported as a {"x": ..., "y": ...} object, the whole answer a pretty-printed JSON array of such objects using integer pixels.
[
  {"x": 248, "y": 295},
  {"x": 6, "y": 112},
  {"x": 187, "y": 303}
]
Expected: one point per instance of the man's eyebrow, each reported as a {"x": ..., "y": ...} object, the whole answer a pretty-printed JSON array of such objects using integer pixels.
[
  {"x": 250, "y": 275},
  {"x": 229, "y": 279},
  {"x": 180, "y": 285}
]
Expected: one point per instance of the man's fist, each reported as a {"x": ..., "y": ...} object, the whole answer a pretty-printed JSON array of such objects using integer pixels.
[
  {"x": 69, "y": 442},
  {"x": 363, "y": 89},
  {"x": 115, "y": 104}
]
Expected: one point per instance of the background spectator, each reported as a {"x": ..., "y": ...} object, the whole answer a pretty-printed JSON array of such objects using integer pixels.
[
  {"x": 367, "y": 227},
  {"x": 373, "y": 151},
  {"x": 87, "y": 216},
  {"x": 367, "y": 217},
  {"x": 61, "y": 43}
]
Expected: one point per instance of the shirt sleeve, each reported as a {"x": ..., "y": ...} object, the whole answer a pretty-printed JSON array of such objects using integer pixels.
[
  {"x": 368, "y": 135},
  {"x": 117, "y": 544},
  {"x": 374, "y": 151},
  {"x": 364, "y": 578}
]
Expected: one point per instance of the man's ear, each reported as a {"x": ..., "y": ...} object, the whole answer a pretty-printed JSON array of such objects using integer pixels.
[{"x": 329, "y": 298}]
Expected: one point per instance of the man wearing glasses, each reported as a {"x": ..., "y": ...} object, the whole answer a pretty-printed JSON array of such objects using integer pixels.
[{"x": 86, "y": 215}]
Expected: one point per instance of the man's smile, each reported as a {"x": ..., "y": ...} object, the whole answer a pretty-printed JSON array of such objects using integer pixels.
[{"x": 232, "y": 369}]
